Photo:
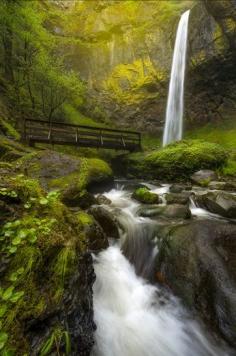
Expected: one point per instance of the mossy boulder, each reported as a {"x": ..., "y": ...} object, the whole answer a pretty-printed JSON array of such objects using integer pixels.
[
  {"x": 46, "y": 271},
  {"x": 143, "y": 195},
  {"x": 177, "y": 161},
  {"x": 70, "y": 175}
]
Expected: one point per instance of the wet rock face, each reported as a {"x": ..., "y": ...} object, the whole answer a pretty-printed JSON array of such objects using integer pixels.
[
  {"x": 78, "y": 308},
  {"x": 106, "y": 220},
  {"x": 197, "y": 261},
  {"x": 221, "y": 203},
  {"x": 75, "y": 313},
  {"x": 172, "y": 211}
]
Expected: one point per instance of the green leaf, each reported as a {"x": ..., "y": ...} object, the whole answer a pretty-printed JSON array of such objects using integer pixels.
[
  {"x": 3, "y": 339},
  {"x": 67, "y": 342},
  {"x": 32, "y": 238},
  {"x": 8, "y": 293},
  {"x": 16, "y": 223},
  {"x": 43, "y": 201},
  {"x": 9, "y": 233},
  {"x": 16, "y": 296},
  {"x": 20, "y": 270},
  {"x": 22, "y": 233},
  {"x": 14, "y": 194},
  {"x": 3, "y": 309},
  {"x": 12, "y": 249},
  {"x": 16, "y": 241},
  {"x": 47, "y": 346},
  {"x": 27, "y": 205},
  {"x": 13, "y": 277}
]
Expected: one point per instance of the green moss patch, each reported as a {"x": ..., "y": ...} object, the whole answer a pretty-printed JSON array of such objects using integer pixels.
[
  {"x": 177, "y": 161},
  {"x": 143, "y": 195}
]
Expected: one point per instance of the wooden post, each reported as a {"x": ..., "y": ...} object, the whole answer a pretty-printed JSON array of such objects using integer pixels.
[{"x": 101, "y": 139}]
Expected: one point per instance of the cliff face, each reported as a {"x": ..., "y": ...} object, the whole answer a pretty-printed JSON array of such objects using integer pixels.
[{"x": 123, "y": 50}]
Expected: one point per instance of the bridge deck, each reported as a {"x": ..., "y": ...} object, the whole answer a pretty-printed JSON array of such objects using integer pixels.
[{"x": 79, "y": 135}]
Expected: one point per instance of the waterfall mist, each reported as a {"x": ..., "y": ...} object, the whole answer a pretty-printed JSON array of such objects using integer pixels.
[{"x": 174, "y": 113}]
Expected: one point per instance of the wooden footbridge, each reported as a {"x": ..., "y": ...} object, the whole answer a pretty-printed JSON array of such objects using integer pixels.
[{"x": 58, "y": 133}]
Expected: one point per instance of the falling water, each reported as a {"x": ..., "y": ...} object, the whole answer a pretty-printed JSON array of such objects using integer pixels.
[
  {"x": 174, "y": 113},
  {"x": 134, "y": 317}
]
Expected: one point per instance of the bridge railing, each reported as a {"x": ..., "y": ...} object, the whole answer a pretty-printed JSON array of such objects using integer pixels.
[{"x": 81, "y": 135}]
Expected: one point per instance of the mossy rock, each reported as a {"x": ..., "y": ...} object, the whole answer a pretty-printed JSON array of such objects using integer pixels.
[
  {"x": 11, "y": 150},
  {"x": 46, "y": 271},
  {"x": 177, "y": 161},
  {"x": 70, "y": 175},
  {"x": 143, "y": 195}
]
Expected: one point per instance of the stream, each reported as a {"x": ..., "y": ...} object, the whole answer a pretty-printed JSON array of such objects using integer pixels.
[{"x": 134, "y": 315}]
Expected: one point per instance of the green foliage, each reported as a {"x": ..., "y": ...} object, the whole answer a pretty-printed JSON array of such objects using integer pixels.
[
  {"x": 56, "y": 338},
  {"x": 144, "y": 196},
  {"x": 223, "y": 133},
  {"x": 230, "y": 168},
  {"x": 21, "y": 232},
  {"x": 37, "y": 81}
]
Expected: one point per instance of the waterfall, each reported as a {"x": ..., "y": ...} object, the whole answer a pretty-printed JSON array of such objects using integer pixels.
[{"x": 174, "y": 113}]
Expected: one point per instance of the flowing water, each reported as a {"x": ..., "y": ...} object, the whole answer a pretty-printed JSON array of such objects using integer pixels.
[
  {"x": 174, "y": 113},
  {"x": 133, "y": 316}
]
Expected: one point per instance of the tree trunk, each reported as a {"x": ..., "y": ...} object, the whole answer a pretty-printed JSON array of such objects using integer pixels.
[{"x": 7, "y": 44}]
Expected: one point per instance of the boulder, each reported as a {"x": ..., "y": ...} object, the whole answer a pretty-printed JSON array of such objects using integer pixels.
[
  {"x": 106, "y": 220},
  {"x": 95, "y": 238},
  {"x": 175, "y": 198},
  {"x": 102, "y": 200},
  {"x": 143, "y": 195},
  {"x": 197, "y": 261},
  {"x": 218, "y": 202},
  {"x": 72, "y": 176},
  {"x": 177, "y": 211},
  {"x": 229, "y": 186},
  {"x": 204, "y": 177},
  {"x": 178, "y": 188},
  {"x": 72, "y": 197}
]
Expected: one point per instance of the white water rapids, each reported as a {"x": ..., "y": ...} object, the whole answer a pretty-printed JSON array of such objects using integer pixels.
[
  {"x": 134, "y": 317},
  {"x": 174, "y": 113}
]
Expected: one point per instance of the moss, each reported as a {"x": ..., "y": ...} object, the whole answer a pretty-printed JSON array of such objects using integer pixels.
[
  {"x": 130, "y": 83},
  {"x": 143, "y": 195},
  {"x": 11, "y": 150},
  {"x": 177, "y": 161},
  {"x": 181, "y": 159},
  {"x": 84, "y": 218},
  {"x": 41, "y": 250},
  {"x": 7, "y": 129},
  {"x": 230, "y": 168}
]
